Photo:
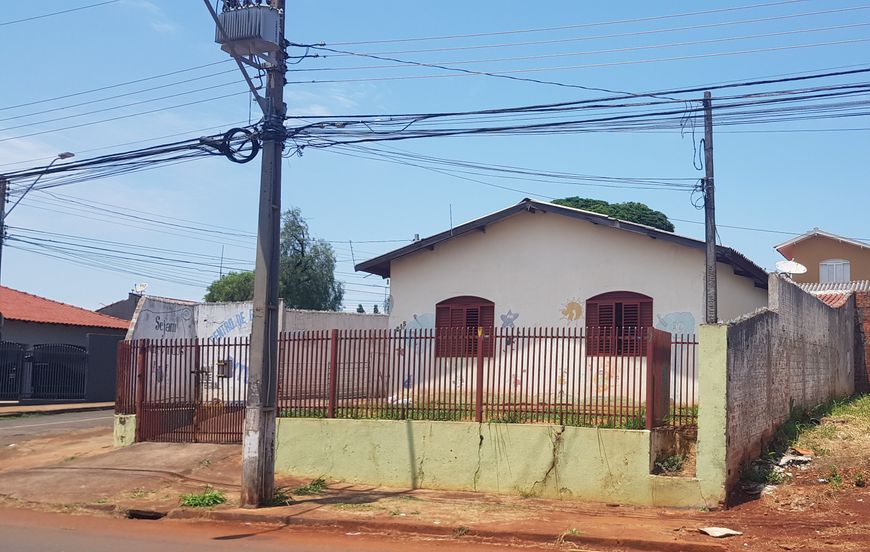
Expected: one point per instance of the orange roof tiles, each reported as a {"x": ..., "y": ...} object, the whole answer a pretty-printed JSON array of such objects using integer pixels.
[
  {"x": 835, "y": 299},
  {"x": 18, "y": 305}
]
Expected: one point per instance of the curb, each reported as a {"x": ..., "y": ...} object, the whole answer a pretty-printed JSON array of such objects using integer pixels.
[
  {"x": 65, "y": 410},
  {"x": 373, "y": 526}
]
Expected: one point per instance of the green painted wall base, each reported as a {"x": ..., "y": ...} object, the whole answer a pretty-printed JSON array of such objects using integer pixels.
[
  {"x": 601, "y": 465},
  {"x": 124, "y": 431}
]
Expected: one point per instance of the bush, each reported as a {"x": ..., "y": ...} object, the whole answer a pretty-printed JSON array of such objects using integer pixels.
[{"x": 207, "y": 499}]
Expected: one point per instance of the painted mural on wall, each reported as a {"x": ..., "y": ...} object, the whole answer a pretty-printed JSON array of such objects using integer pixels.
[
  {"x": 224, "y": 320},
  {"x": 676, "y": 322},
  {"x": 572, "y": 310},
  {"x": 161, "y": 319}
]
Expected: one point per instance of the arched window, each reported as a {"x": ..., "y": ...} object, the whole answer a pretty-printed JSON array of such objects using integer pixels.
[
  {"x": 458, "y": 321},
  {"x": 834, "y": 270},
  {"x": 616, "y": 322}
]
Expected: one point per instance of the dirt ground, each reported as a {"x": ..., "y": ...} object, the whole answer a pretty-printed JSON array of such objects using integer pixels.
[{"x": 822, "y": 507}]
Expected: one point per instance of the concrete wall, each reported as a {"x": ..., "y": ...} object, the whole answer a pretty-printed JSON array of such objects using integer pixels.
[
  {"x": 540, "y": 268},
  {"x": 295, "y": 319},
  {"x": 862, "y": 342},
  {"x": 603, "y": 465},
  {"x": 797, "y": 352},
  {"x": 158, "y": 318},
  {"x": 815, "y": 249},
  {"x": 32, "y": 333}
]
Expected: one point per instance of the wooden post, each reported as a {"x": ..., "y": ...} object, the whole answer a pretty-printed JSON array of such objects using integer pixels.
[
  {"x": 478, "y": 399},
  {"x": 141, "y": 360},
  {"x": 333, "y": 372}
]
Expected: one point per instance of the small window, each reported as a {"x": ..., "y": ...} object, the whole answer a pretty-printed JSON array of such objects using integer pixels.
[
  {"x": 616, "y": 323},
  {"x": 834, "y": 270},
  {"x": 459, "y": 321}
]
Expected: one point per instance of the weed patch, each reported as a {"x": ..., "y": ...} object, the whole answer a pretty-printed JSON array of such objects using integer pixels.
[
  {"x": 209, "y": 498},
  {"x": 316, "y": 486},
  {"x": 669, "y": 465}
]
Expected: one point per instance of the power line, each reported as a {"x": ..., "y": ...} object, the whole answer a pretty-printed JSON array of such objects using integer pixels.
[
  {"x": 613, "y": 35},
  {"x": 116, "y": 85},
  {"x": 467, "y": 73},
  {"x": 566, "y": 27},
  {"x": 43, "y": 16},
  {"x": 440, "y": 64}
]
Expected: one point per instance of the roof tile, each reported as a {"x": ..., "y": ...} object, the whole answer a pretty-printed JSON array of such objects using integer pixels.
[{"x": 25, "y": 307}]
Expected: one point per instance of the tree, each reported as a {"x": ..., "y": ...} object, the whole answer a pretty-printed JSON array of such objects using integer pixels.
[
  {"x": 375, "y": 309},
  {"x": 235, "y": 286},
  {"x": 307, "y": 271},
  {"x": 360, "y": 309},
  {"x": 630, "y": 210}
]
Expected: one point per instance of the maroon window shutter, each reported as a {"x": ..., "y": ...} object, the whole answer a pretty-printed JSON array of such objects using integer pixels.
[
  {"x": 646, "y": 314},
  {"x": 487, "y": 323},
  {"x": 457, "y": 321}
]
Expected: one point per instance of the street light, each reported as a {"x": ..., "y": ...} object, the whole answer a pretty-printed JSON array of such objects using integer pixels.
[
  {"x": 60, "y": 156},
  {"x": 4, "y": 213}
]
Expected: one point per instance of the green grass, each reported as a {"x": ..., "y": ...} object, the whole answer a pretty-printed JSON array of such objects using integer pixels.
[
  {"x": 316, "y": 486},
  {"x": 206, "y": 499},
  {"x": 669, "y": 465}
]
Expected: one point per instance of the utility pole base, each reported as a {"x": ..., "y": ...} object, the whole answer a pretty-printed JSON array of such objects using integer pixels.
[{"x": 258, "y": 458}]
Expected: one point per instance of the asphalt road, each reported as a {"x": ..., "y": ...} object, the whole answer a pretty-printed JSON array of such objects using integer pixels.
[
  {"x": 29, "y": 531},
  {"x": 25, "y": 427}
]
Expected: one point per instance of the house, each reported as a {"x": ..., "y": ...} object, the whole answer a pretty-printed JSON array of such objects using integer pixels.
[
  {"x": 829, "y": 258},
  {"x": 32, "y": 320},
  {"x": 124, "y": 308},
  {"x": 540, "y": 264},
  {"x": 51, "y": 351}
]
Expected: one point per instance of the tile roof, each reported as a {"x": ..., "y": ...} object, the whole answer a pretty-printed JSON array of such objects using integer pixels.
[
  {"x": 24, "y": 307},
  {"x": 835, "y": 299},
  {"x": 742, "y": 265},
  {"x": 856, "y": 285}
]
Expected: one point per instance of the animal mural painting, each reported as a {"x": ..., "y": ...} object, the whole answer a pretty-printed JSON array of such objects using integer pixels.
[
  {"x": 676, "y": 322},
  {"x": 572, "y": 310}
]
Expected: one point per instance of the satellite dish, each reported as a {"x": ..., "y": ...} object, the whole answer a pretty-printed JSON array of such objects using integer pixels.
[
  {"x": 139, "y": 288},
  {"x": 790, "y": 267}
]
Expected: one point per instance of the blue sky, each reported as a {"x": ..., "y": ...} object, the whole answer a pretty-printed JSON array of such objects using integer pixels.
[{"x": 788, "y": 181}]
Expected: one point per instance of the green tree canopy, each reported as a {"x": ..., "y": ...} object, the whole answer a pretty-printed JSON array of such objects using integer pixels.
[
  {"x": 631, "y": 211},
  {"x": 360, "y": 309},
  {"x": 307, "y": 271}
]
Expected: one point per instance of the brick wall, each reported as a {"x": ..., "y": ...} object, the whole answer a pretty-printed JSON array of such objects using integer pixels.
[
  {"x": 862, "y": 340},
  {"x": 797, "y": 351}
]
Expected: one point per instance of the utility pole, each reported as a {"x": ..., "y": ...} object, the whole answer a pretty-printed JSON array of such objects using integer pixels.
[
  {"x": 710, "y": 291},
  {"x": 258, "y": 438},
  {"x": 3, "y": 183},
  {"x": 258, "y": 445}
]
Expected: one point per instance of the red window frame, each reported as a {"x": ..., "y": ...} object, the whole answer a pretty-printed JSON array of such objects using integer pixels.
[
  {"x": 616, "y": 323},
  {"x": 458, "y": 322}
]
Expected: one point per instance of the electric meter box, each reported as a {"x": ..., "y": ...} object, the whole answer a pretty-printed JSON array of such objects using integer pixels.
[{"x": 250, "y": 30}]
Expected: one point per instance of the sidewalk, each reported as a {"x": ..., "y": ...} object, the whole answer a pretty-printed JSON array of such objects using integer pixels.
[
  {"x": 152, "y": 477},
  {"x": 14, "y": 409}
]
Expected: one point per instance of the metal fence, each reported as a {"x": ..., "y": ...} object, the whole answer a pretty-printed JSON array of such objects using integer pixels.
[
  {"x": 195, "y": 389},
  {"x": 48, "y": 372}
]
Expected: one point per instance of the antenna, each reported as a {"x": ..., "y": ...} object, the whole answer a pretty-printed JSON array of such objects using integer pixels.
[
  {"x": 790, "y": 267},
  {"x": 139, "y": 288}
]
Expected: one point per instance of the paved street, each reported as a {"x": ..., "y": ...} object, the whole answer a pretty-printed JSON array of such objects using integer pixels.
[
  {"x": 27, "y": 531},
  {"x": 16, "y": 428}
]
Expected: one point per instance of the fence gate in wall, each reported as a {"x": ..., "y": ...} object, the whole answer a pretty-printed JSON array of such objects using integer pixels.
[{"x": 184, "y": 390}]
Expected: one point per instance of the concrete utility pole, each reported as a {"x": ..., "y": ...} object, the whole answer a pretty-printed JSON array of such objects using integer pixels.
[
  {"x": 3, "y": 184},
  {"x": 236, "y": 27},
  {"x": 258, "y": 445},
  {"x": 710, "y": 291}
]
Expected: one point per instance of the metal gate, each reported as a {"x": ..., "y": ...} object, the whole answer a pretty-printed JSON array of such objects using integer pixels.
[
  {"x": 58, "y": 372},
  {"x": 11, "y": 368},
  {"x": 188, "y": 390}
]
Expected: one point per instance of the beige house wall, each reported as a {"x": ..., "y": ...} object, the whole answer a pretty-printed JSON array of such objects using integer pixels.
[
  {"x": 815, "y": 249},
  {"x": 543, "y": 266}
]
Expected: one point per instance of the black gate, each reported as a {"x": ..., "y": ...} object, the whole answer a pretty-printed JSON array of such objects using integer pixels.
[
  {"x": 11, "y": 369},
  {"x": 58, "y": 372}
]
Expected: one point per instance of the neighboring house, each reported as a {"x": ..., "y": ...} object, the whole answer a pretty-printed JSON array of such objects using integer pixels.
[
  {"x": 122, "y": 309},
  {"x": 829, "y": 258},
  {"x": 33, "y": 320},
  {"x": 541, "y": 264}
]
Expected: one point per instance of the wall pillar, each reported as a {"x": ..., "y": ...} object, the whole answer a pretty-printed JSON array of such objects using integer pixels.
[{"x": 712, "y": 471}]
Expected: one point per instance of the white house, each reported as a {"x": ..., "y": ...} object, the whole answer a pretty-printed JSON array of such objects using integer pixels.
[{"x": 540, "y": 264}]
